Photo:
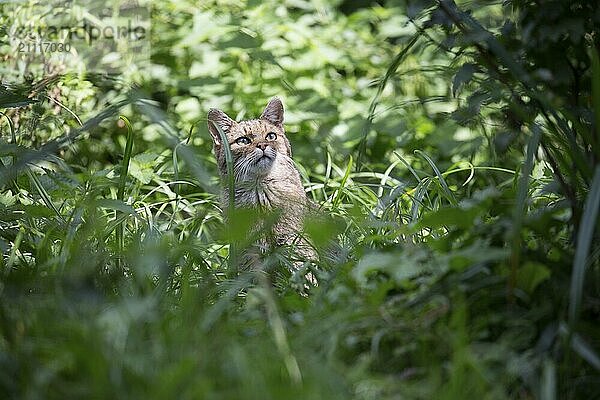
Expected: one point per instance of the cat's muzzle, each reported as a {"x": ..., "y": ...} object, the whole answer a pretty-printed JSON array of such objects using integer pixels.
[
  {"x": 268, "y": 153},
  {"x": 264, "y": 158}
]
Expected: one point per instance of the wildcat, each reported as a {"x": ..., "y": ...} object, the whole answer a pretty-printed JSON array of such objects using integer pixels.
[{"x": 264, "y": 176}]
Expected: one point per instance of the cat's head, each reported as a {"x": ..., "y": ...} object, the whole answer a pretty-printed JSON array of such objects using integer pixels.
[{"x": 255, "y": 144}]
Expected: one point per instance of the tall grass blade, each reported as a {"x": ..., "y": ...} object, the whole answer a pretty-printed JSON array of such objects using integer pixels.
[
  {"x": 440, "y": 176},
  {"x": 279, "y": 332},
  {"x": 520, "y": 207},
  {"x": 584, "y": 243},
  {"x": 13, "y": 251},
  {"x": 548, "y": 382},
  {"x": 338, "y": 195},
  {"x": 596, "y": 92},
  {"x": 35, "y": 181},
  {"x": 585, "y": 351},
  {"x": 417, "y": 200},
  {"x": 122, "y": 182},
  {"x": 385, "y": 177},
  {"x": 233, "y": 256}
]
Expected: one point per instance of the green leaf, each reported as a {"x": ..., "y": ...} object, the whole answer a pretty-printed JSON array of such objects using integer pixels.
[
  {"x": 530, "y": 275},
  {"x": 478, "y": 252},
  {"x": 322, "y": 230},
  {"x": 399, "y": 265},
  {"x": 7, "y": 198},
  {"x": 450, "y": 217},
  {"x": 241, "y": 40},
  {"x": 142, "y": 167},
  {"x": 464, "y": 75},
  {"x": 37, "y": 211},
  {"x": 117, "y": 205}
]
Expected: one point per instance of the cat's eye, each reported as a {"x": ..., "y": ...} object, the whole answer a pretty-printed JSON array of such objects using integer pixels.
[
  {"x": 271, "y": 136},
  {"x": 242, "y": 140}
]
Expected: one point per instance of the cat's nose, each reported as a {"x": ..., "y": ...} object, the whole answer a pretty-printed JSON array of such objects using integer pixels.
[{"x": 262, "y": 146}]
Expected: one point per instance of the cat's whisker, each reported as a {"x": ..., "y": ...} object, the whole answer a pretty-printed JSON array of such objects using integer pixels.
[
  {"x": 241, "y": 169},
  {"x": 240, "y": 174}
]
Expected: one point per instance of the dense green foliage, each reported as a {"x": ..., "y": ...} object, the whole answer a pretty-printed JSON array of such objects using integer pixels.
[{"x": 456, "y": 148}]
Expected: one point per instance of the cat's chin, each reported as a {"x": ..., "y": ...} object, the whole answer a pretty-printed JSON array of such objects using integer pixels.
[{"x": 264, "y": 164}]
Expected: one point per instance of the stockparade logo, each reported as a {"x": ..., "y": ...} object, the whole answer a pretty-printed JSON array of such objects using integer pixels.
[{"x": 100, "y": 36}]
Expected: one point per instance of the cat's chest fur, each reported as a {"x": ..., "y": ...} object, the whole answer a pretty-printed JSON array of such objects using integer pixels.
[
  {"x": 280, "y": 188},
  {"x": 280, "y": 191},
  {"x": 266, "y": 195}
]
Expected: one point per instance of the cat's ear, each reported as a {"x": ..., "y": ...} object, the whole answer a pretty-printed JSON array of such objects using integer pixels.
[
  {"x": 217, "y": 118},
  {"x": 273, "y": 112}
]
